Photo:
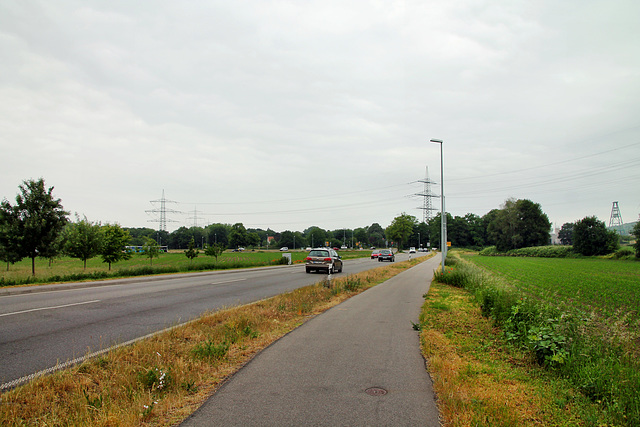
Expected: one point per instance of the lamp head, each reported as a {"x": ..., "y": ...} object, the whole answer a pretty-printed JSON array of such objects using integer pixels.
[{"x": 439, "y": 141}]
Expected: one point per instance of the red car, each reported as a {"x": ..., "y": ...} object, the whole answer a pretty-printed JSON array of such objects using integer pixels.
[{"x": 375, "y": 254}]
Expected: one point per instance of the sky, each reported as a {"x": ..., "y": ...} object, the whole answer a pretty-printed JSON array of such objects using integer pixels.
[{"x": 290, "y": 114}]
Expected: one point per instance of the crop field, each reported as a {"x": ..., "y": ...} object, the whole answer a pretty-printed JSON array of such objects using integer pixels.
[{"x": 610, "y": 288}]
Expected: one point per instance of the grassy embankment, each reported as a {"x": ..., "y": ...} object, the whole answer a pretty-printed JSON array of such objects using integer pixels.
[
  {"x": 161, "y": 380},
  {"x": 66, "y": 269},
  {"x": 532, "y": 341}
]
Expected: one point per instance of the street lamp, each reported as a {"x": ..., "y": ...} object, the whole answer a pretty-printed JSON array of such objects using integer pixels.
[{"x": 443, "y": 218}]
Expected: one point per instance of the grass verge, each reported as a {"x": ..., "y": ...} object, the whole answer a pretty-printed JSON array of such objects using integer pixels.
[{"x": 161, "y": 380}]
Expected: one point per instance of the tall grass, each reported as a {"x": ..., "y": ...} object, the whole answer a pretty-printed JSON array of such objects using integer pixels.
[{"x": 601, "y": 363}]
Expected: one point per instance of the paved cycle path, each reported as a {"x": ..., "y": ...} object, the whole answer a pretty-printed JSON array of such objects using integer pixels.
[{"x": 357, "y": 364}]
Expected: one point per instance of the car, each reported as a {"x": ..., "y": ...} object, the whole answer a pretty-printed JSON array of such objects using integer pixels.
[
  {"x": 412, "y": 250},
  {"x": 343, "y": 247},
  {"x": 323, "y": 259},
  {"x": 375, "y": 254},
  {"x": 386, "y": 255},
  {"x": 284, "y": 248}
]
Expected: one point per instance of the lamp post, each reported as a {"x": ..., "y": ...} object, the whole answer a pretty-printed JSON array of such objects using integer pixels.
[{"x": 443, "y": 218}]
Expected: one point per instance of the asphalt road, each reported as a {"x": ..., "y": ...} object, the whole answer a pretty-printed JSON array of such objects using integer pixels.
[
  {"x": 357, "y": 364},
  {"x": 42, "y": 326}
]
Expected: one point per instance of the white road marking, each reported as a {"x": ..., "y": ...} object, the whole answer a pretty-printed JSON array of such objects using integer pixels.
[{"x": 49, "y": 308}]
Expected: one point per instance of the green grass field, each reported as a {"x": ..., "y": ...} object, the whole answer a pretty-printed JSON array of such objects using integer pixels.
[
  {"x": 609, "y": 287},
  {"x": 175, "y": 260}
]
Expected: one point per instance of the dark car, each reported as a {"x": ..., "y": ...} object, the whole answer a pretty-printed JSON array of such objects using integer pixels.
[
  {"x": 323, "y": 259},
  {"x": 375, "y": 254},
  {"x": 386, "y": 255}
]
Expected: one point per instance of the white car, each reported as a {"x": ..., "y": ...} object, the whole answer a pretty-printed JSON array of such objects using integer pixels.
[
  {"x": 412, "y": 250},
  {"x": 284, "y": 248}
]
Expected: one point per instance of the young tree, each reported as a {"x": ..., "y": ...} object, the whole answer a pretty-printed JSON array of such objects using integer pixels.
[
  {"x": 192, "y": 252},
  {"x": 82, "y": 239},
  {"x": 114, "y": 242},
  {"x": 214, "y": 250},
  {"x": 150, "y": 249},
  {"x": 591, "y": 237},
  {"x": 33, "y": 223}
]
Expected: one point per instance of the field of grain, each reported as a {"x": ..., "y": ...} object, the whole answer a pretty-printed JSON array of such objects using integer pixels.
[{"x": 608, "y": 287}]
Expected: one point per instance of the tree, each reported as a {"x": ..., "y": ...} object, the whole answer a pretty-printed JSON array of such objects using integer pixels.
[
  {"x": 565, "y": 235},
  {"x": 180, "y": 238},
  {"x": 401, "y": 228},
  {"x": 9, "y": 238},
  {"x": 34, "y": 223},
  {"x": 150, "y": 249},
  {"x": 114, "y": 242},
  {"x": 286, "y": 239},
  {"x": 376, "y": 235},
  {"x": 238, "y": 236},
  {"x": 218, "y": 233},
  {"x": 214, "y": 250},
  {"x": 519, "y": 224},
  {"x": 636, "y": 233},
  {"x": 362, "y": 236},
  {"x": 82, "y": 239},
  {"x": 192, "y": 252},
  {"x": 315, "y": 236},
  {"x": 435, "y": 230},
  {"x": 591, "y": 237}
]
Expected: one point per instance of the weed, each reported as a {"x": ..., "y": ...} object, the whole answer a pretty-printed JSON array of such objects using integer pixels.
[
  {"x": 93, "y": 403},
  {"x": 155, "y": 379},
  {"x": 211, "y": 351}
]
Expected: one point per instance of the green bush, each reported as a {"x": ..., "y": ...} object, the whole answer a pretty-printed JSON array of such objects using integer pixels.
[{"x": 625, "y": 252}]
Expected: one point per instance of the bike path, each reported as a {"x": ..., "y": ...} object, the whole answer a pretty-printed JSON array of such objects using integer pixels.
[{"x": 357, "y": 364}]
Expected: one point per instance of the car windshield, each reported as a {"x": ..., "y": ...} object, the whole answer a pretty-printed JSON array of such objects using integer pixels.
[
  {"x": 319, "y": 253},
  {"x": 384, "y": 252}
]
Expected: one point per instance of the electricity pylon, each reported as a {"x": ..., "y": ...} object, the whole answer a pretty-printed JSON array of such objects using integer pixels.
[
  {"x": 427, "y": 208},
  {"x": 163, "y": 212}
]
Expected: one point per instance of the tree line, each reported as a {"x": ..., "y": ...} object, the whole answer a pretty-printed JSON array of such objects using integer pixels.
[{"x": 38, "y": 226}]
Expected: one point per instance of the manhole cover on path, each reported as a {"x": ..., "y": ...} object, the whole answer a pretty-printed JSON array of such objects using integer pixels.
[{"x": 376, "y": 391}]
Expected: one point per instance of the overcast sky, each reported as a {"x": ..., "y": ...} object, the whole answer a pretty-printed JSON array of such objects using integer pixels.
[{"x": 288, "y": 114}]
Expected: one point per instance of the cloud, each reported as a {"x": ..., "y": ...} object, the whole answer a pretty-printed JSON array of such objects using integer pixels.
[{"x": 289, "y": 114}]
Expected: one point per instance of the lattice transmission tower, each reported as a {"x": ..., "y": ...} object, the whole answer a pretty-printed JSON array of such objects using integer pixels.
[
  {"x": 615, "y": 221},
  {"x": 426, "y": 194},
  {"x": 194, "y": 218},
  {"x": 161, "y": 212}
]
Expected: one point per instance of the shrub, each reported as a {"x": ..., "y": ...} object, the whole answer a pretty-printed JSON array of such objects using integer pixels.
[{"x": 624, "y": 252}]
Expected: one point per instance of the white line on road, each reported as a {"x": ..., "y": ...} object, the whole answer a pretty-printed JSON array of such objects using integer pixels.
[{"x": 49, "y": 308}]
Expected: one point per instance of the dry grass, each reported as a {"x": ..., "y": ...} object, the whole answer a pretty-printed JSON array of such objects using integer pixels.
[
  {"x": 161, "y": 380},
  {"x": 479, "y": 380}
]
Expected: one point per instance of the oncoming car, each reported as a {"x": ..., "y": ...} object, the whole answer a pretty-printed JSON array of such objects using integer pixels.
[
  {"x": 323, "y": 259},
  {"x": 386, "y": 255}
]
